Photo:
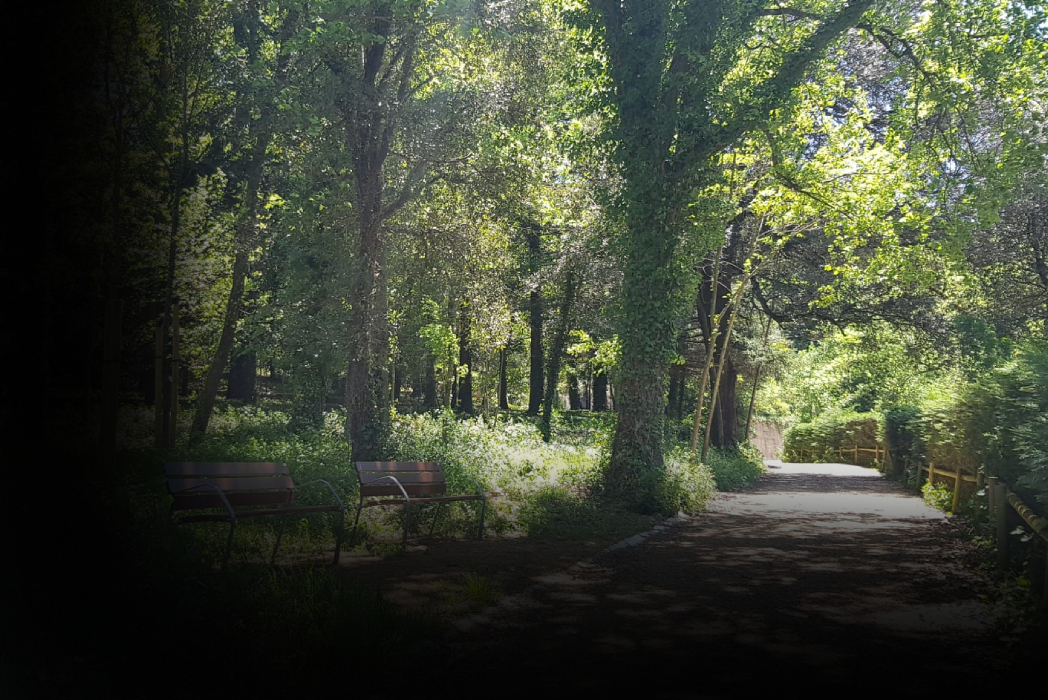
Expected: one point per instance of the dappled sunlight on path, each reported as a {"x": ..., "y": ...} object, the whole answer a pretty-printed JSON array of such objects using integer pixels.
[{"x": 825, "y": 575}]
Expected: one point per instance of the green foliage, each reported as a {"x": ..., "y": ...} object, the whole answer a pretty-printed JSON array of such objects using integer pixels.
[
  {"x": 949, "y": 432},
  {"x": 1009, "y": 408},
  {"x": 735, "y": 468},
  {"x": 818, "y": 439},
  {"x": 937, "y": 496},
  {"x": 554, "y": 512},
  {"x": 903, "y": 436},
  {"x": 860, "y": 369},
  {"x": 506, "y": 455}
]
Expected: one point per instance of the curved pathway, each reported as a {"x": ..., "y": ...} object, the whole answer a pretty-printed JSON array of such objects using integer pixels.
[{"x": 820, "y": 576}]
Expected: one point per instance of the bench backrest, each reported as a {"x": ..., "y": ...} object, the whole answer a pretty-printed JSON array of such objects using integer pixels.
[
  {"x": 417, "y": 478},
  {"x": 242, "y": 483}
]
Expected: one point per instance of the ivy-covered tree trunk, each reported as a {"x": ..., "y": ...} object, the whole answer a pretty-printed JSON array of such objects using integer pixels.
[
  {"x": 668, "y": 63},
  {"x": 648, "y": 334}
]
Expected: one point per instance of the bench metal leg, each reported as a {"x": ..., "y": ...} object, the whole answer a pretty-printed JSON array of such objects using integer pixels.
[
  {"x": 355, "y": 521},
  {"x": 280, "y": 533},
  {"x": 407, "y": 520},
  {"x": 229, "y": 543},
  {"x": 338, "y": 540},
  {"x": 435, "y": 514}
]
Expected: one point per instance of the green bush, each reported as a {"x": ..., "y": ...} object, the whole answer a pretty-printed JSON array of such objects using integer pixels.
[
  {"x": 949, "y": 433},
  {"x": 903, "y": 435},
  {"x": 1008, "y": 410},
  {"x": 687, "y": 486},
  {"x": 819, "y": 439},
  {"x": 735, "y": 468},
  {"x": 937, "y": 496}
]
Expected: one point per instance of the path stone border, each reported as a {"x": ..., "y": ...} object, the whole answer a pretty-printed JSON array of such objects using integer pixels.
[{"x": 517, "y": 600}]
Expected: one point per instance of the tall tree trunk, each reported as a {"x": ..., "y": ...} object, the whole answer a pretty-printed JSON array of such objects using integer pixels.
[
  {"x": 600, "y": 390},
  {"x": 536, "y": 384},
  {"x": 367, "y": 389},
  {"x": 574, "y": 396},
  {"x": 560, "y": 341},
  {"x": 429, "y": 384},
  {"x": 376, "y": 85},
  {"x": 367, "y": 400},
  {"x": 648, "y": 335},
  {"x": 242, "y": 373},
  {"x": 675, "y": 402},
  {"x": 465, "y": 393}
]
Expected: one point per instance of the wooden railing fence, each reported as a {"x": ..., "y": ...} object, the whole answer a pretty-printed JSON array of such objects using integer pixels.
[{"x": 1001, "y": 498}]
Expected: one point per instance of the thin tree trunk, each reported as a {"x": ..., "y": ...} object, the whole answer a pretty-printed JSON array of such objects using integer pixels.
[
  {"x": 503, "y": 381},
  {"x": 723, "y": 354},
  {"x": 429, "y": 384},
  {"x": 675, "y": 401},
  {"x": 168, "y": 386},
  {"x": 536, "y": 384},
  {"x": 243, "y": 242},
  {"x": 711, "y": 328},
  {"x": 535, "y": 378},
  {"x": 756, "y": 380},
  {"x": 465, "y": 394}
]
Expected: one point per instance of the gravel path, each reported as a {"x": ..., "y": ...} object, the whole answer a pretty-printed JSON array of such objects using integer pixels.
[{"x": 820, "y": 577}]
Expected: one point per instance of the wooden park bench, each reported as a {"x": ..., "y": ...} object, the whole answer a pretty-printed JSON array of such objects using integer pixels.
[
  {"x": 408, "y": 483},
  {"x": 229, "y": 491}
]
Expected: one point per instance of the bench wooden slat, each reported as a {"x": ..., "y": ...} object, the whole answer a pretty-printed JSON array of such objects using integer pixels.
[
  {"x": 203, "y": 499},
  {"x": 191, "y": 469},
  {"x": 388, "y": 489},
  {"x": 405, "y": 478},
  {"x": 233, "y": 484},
  {"x": 365, "y": 467}
]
